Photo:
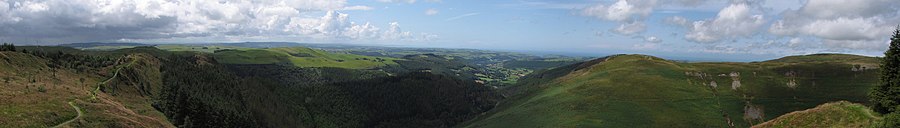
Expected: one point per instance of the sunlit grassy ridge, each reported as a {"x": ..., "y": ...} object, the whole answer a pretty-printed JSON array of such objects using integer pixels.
[
  {"x": 301, "y": 57},
  {"x": 297, "y": 56},
  {"x": 199, "y": 48},
  {"x": 645, "y": 91},
  {"x": 825, "y": 58},
  {"x": 837, "y": 114}
]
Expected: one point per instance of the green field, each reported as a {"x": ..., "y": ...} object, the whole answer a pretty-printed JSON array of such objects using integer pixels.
[
  {"x": 645, "y": 91},
  {"x": 107, "y": 48},
  {"x": 301, "y": 57},
  {"x": 206, "y": 49}
]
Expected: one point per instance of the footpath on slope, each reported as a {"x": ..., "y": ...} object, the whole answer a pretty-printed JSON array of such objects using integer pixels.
[
  {"x": 77, "y": 109},
  {"x": 93, "y": 96}
]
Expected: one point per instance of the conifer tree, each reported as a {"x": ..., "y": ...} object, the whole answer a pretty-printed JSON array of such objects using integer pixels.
[{"x": 885, "y": 97}]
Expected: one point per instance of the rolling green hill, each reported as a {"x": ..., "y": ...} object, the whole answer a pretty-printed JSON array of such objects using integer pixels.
[
  {"x": 645, "y": 91},
  {"x": 836, "y": 114},
  {"x": 301, "y": 57},
  {"x": 296, "y": 56}
]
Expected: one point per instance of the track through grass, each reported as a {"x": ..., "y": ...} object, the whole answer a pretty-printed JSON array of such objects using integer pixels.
[
  {"x": 93, "y": 94},
  {"x": 77, "y": 109}
]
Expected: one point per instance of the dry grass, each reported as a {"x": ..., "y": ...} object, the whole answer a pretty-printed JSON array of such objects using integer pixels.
[
  {"x": 34, "y": 95},
  {"x": 841, "y": 114}
]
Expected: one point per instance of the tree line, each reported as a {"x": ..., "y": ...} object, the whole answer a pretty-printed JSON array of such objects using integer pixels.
[{"x": 7, "y": 47}]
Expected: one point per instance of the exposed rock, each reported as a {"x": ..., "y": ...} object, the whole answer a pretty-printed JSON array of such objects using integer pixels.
[
  {"x": 735, "y": 80},
  {"x": 753, "y": 113},
  {"x": 735, "y": 84},
  {"x": 792, "y": 75},
  {"x": 859, "y": 68},
  {"x": 792, "y": 83}
]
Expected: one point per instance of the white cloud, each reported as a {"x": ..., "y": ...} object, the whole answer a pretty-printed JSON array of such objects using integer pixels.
[
  {"x": 645, "y": 46},
  {"x": 678, "y": 20},
  {"x": 431, "y": 12},
  {"x": 629, "y": 13},
  {"x": 622, "y": 10},
  {"x": 841, "y": 24},
  {"x": 736, "y": 20},
  {"x": 652, "y": 39},
  {"x": 795, "y": 42},
  {"x": 394, "y": 32},
  {"x": 630, "y": 28},
  {"x": 847, "y": 8},
  {"x": 5, "y": 15},
  {"x": 462, "y": 16},
  {"x": 398, "y": 1},
  {"x": 545, "y": 5},
  {"x": 407, "y": 1},
  {"x": 688, "y": 2},
  {"x": 106, "y": 20},
  {"x": 846, "y": 29},
  {"x": 357, "y": 7},
  {"x": 871, "y": 45},
  {"x": 365, "y": 31}
]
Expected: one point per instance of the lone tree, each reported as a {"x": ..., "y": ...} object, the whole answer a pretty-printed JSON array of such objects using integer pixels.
[{"x": 885, "y": 97}]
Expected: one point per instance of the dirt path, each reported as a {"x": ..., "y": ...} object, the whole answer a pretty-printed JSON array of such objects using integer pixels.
[
  {"x": 77, "y": 109},
  {"x": 93, "y": 96}
]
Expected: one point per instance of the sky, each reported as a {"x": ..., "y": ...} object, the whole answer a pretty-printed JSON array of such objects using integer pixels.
[{"x": 727, "y": 30}]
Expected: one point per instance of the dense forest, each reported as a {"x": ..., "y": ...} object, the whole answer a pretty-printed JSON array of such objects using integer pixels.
[{"x": 201, "y": 93}]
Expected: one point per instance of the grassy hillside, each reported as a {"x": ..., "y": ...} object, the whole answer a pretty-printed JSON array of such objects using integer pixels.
[
  {"x": 46, "y": 90},
  {"x": 301, "y": 57},
  {"x": 836, "y": 114},
  {"x": 645, "y": 91}
]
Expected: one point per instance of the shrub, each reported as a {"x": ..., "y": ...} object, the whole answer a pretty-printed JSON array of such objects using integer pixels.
[
  {"x": 42, "y": 89},
  {"x": 891, "y": 120}
]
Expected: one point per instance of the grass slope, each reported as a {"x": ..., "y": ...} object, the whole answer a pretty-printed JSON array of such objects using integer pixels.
[
  {"x": 34, "y": 94},
  {"x": 837, "y": 114},
  {"x": 301, "y": 57},
  {"x": 645, "y": 91}
]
